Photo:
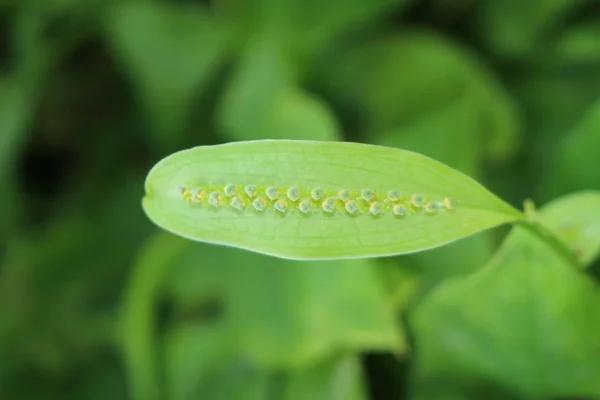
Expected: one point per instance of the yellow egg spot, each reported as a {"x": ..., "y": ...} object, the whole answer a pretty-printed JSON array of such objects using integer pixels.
[
  {"x": 417, "y": 200},
  {"x": 229, "y": 190},
  {"x": 351, "y": 207},
  {"x": 293, "y": 193},
  {"x": 376, "y": 208},
  {"x": 328, "y": 205},
  {"x": 215, "y": 199},
  {"x": 344, "y": 194},
  {"x": 400, "y": 210},
  {"x": 250, "y": 190},
  {"x": 431, "y": 207},
  {"x": 272, "y": 193},
  {"x": 259, "y": 204},
  {"x": 281, "y": 206},
  {"x": 394, "y": 195},
  {"x": 237, "y": 203},
  {"x": 305, "y": 206},
  {"x": 367, "y": 194},
  {"x": 317, "y": 194}
]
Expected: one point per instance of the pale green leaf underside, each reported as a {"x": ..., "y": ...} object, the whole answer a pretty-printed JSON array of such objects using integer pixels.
[{"x": 449, "y": 205}]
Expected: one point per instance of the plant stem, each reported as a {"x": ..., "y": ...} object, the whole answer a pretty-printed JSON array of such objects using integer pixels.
[{"x": 538, "y": 229}]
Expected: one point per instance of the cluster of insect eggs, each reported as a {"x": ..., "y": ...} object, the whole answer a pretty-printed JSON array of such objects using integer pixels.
[{"x": 281, "y": 202}]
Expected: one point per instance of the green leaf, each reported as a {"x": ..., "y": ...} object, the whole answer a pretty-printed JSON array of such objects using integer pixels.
[
  {"x": 576, "y": 165},
  {"x": 397, "y": 90},
  {"x": 290, "y": 314},
  {"x": 170, "y": 53},
  {"x": 576, "y": 221},
  {"x": 336, "y": 379},
  {"x": 513, "y": 28},
  {"x": 305, "y": 27},
  {"x": 263, "y": 102},
  {"x": 262, "y": 75},
  {"x": 272, "y": 313},
  {"x": 580, "y": 43},
  {"x": 201, "y": 363},
  {"x": 526, "y": 326},
  {"x": 319, "y": 307},
  {"x": 400, "y": 202}
]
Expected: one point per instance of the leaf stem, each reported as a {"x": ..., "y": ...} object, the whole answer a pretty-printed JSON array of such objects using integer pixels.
[{"x": 535, "y": 226}]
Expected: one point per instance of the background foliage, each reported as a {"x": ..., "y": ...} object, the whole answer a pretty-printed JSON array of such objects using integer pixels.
[{"x": 97, "y": 303}]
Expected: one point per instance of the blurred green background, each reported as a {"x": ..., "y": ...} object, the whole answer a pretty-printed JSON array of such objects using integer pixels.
[{"x": 97, "y": 303}]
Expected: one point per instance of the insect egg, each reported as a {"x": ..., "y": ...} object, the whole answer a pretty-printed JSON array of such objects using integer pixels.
[
  {"x": 250, "y": 190},
  {"x": 259, "y": 204},
  {"x": 197, "y": 195},
  {"x": 431, "y": 207},
  {"x": 280, "y": 205},
  {"x": 272, "y": 193},
  {"x": 317, "y": 194},
  {"x": 328, "y": 205},
  {"x": 237, "y": 203},
  {"x": 367, "y": 194},
  {"x": 344, "y": 194},
  {"x": 305, "y": 206},
  {"x": 394, "y": 195},
  {"x": 185, "y": 192},
  {"x": 229, "y": 190},
  {"x": 351, "y": 207},
  {"x": 417, "y": 200},
  {"x": 293, "y": 193},
  {"x": 400, "y": 210},
  {"x": 214, "y": 199},
  {"x": 375, "y": 208}
]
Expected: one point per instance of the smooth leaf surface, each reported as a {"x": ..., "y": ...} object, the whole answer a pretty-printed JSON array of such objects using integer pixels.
[
  {"x": 575, "y": 219},
  {"x": 270, "y": 314},
  {"x": 526, "y": 325},
  {"x": 575, "y": 168},
  {"x": 513, "y": 28},
  {"x": 433, "y": 205},
  {"x": 319, "y": 309},
  {"x": 339, "y": 378},
  {"x": 170, "y": 53},
  {"x": 397, "y": 89},
  {"x": 200, "y": 363}
]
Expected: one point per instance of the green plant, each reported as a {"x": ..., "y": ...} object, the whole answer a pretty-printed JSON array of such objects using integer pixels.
[{"x": 310, "y": 200}]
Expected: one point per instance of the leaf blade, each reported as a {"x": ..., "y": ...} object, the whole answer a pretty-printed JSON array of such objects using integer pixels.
[{"x": 331, "y": 166}]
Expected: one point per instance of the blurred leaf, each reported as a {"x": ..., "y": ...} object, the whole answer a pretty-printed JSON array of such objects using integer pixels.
[
  {"x": 274, "y": 313},
  {"x": 514, "y": 28},
  {"x": 138, "y": 331},
  {"x": 306, "y": 27},
  {"x": 406, "y": 223},
  {"x": 395, "y": 87},
  {"x": 285, "y": 314},
  {"x": 337, "y": 379},
  {"x": 452, "y": 133},
  {"x": 171, "y": 53},
  {"x": 576, "y": 164},
  {"x": 262, "y": 76},
  {"x": 575, "y": 219},
  {"x": 526, "y": 325},
  {"x": 299, "y": 115},
  {"x": 580, "y": 43},
  {"x": 201, "y": 364},
  {"x": 291, "y": 314},
  {"x": 261, "y": 102}
]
